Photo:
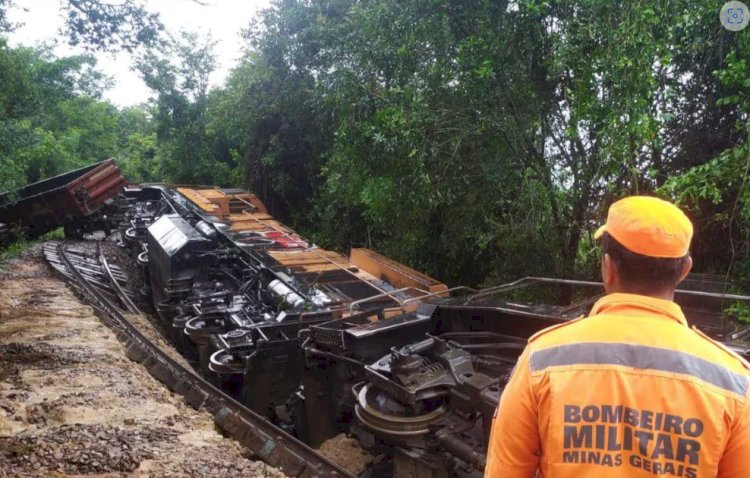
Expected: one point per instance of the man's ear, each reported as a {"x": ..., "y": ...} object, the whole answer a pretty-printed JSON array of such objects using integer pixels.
[
  {"x": 686, "y": 268},
  {"x": 609, "y": 272}
]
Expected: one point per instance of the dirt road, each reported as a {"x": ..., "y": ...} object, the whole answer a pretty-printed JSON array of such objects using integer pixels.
[{"x": 72, "y": 404}]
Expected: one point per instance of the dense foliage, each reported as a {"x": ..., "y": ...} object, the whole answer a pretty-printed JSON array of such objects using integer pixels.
[
  {"x": 51, "y": 119},
  {"x": 477, "y": 140}
]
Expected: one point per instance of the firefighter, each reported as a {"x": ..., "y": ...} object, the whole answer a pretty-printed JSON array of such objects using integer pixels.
[{"x": 631, "y": 390}]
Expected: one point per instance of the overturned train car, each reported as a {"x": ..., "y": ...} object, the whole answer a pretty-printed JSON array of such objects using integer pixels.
[
  {"x": 71, "y": 200},
  {"x": 320, "y": 343}
]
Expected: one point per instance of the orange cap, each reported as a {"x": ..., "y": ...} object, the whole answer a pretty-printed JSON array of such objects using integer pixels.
[{"x": 649, "y": 226}]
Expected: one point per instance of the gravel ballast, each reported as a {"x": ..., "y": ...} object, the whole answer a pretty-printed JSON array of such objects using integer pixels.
[{"x": 72, "y": 404}]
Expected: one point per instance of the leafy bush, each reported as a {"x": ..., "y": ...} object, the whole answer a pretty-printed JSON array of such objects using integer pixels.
[{"x": 18, "y": 247}]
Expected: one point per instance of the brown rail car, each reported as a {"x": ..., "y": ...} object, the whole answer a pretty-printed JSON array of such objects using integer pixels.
[{"x": 60, "y": 201}]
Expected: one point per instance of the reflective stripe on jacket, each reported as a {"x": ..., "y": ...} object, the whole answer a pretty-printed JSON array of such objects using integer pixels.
[{"x": 630, "y": 391}]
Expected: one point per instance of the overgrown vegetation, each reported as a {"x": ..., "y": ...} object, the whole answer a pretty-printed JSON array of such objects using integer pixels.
[
  {"x": 52, "y": 118},
  {"x": 478, "y": 141},
  {"x": 18, "y": 247}
]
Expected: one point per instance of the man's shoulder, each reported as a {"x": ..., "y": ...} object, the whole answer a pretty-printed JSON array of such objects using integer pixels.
[
  {"x": 690, "y": 340},
  {"x": 551, "y": 332},
  {"x": 723, "y": 352}
]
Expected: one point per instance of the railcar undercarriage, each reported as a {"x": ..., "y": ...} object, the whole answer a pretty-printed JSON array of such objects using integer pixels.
[
  {"x": 320, "y": 344},
  {"x": 320, "y": 347}
]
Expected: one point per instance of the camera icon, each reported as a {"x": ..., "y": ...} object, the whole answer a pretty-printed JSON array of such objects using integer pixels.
[{"x": 734, "y": 16}]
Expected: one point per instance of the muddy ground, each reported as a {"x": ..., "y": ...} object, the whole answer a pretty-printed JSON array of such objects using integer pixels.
[{"x": 72, "y": 404}]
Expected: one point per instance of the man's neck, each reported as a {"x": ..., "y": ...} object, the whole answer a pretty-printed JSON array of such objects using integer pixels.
[{"x": 663, "y": 295}]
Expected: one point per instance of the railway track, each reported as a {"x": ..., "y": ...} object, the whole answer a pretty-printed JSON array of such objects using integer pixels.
[{"x": 86, "y": 269}]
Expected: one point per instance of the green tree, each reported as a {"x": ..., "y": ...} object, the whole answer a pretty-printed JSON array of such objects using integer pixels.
[
  {"x": 178, "y": 74},
  {"x": 102, "y": 25},
  {"x": 49, "y": 123},
  {"x": 717, "y": 192},
  {"x": 456, "y": 135},
  {"x": 136, "y": 144}
]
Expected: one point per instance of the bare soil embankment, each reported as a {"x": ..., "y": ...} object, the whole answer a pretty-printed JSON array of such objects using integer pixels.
[{"x": 72, "y": 404}]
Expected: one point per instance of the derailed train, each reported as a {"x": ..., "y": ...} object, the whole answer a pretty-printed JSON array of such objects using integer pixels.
[
  {"x": 319, "y": 343},
  {"x": 322, "y": 344}
]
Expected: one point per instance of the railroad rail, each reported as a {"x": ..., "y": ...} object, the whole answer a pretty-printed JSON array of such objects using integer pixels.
[{"x": 85, "y": 267}]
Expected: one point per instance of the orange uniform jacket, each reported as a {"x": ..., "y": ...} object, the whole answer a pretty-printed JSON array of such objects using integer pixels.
[{"x": 630, "y": 391}]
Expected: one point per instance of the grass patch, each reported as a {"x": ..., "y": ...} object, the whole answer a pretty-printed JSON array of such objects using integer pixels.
[
  {"x": 15, "y": 249},
  {"x": 739, "y": 311}
]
